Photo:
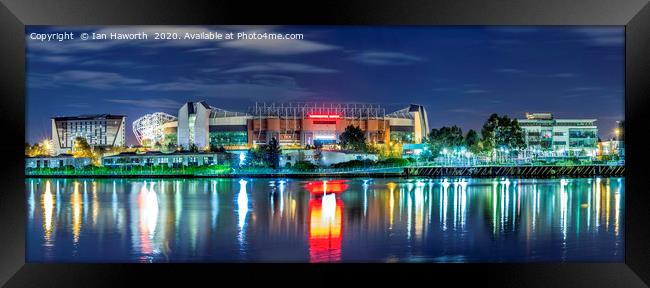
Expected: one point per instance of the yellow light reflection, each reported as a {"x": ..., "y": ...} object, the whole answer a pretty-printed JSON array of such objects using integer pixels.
[
  {"x": 77, "y": 205},
  {"x": 95, "y": 205},
  {"x": 48, "y": 208},
  {"x": 391, "y": 204}
]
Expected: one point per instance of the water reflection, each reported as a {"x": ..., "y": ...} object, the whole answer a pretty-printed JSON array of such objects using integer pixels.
[
  {"x": 325, "y": 220},
  {"x": 242, "y": 212},
  {"x": 325, "y": 228},
  {"x": 48, "y": 207}
]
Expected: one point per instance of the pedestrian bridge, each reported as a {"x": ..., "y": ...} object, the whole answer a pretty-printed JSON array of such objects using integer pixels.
[{"x": 517, "y": 171}]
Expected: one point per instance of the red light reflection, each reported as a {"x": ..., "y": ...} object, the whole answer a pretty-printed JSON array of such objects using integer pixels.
[
  {"x": 325, "y": 229},
  {"x": 326, "y": 187}
]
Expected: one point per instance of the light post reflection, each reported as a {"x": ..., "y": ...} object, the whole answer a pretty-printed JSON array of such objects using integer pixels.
[
  {"x": 76, "y": 212},
  {"x": 242, "y": 210},
  {"x": 48, "y": 207},
  {"x": 215, "y": 204}
]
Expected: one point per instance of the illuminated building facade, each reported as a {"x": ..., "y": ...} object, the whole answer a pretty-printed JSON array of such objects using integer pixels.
[
  {"x": 59, "y": 161},
  {"x": 548, "y": 136},
  {"x": 150, "y": 129},
  {"x": 156, "y": 158},
  {"x": 203, "y": 125},
  {"x": 102, "y": 130},
  {"x": 293, "y": 124}
]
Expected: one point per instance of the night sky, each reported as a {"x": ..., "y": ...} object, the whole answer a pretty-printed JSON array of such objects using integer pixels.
[{"x": 460, "y": 74}]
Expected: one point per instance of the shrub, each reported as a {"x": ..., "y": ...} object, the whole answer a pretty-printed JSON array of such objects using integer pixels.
[
  {"x": 393, "y": 162},
  {"x": 304, "y": 165},
  {"x": 353, "y": 164}
]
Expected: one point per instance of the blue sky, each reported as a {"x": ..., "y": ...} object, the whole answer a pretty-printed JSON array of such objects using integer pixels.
[{"x": 461, "y": 74}]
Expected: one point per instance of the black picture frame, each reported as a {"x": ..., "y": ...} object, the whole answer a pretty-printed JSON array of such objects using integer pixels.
[{"x": 634, "y": 15}]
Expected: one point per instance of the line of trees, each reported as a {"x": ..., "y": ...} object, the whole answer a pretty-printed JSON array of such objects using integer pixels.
[{"x": 498, "y": 134}]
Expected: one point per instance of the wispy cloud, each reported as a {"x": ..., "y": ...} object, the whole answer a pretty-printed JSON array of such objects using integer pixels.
[
  {"x": 603, "y": 36},
  {"x": 84, "y": 78},
  {"x": 149, "y": 103},
  {"x": 279, "y": 47},
  {"x": 563, "y": 75},
  {"x": 209, "y": 70},
  {"x": 55, "y": 59},
  {"x": 382, "y": 58},
  {"x": 209, "y": 50},
  {"x": 279, "y": 67},
  {"x": 101, "y": 62},
  {"x": 468, "y": 111},
  {"x": 275, "y": 80},
  {"x": 585, "y": 89},
  {"x": 258, "y": 87},
  {"x": 475, "y": 91},
  {"x": 77, "y": 105},
  {"x": 509, "y": 70}
]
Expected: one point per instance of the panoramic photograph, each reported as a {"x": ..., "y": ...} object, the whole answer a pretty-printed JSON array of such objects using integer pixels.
[{"x": 325, "y": 144}]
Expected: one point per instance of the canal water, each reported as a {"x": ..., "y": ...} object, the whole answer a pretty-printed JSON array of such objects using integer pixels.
[{"x": 325, "y": 220}]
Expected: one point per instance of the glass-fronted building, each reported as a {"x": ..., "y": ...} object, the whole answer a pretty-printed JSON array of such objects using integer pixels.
[
  {"x": 547, "y": 136},
  {"x": 101, "y": 130}
]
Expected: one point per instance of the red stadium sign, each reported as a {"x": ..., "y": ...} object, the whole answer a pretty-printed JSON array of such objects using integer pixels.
[{"x": 324, "y": 116}]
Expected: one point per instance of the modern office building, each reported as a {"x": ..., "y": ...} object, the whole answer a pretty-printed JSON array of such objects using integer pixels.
[
  {"x": 547, "y": 136},
  {"x": 293, "y": 124},
  {"x": 101, "y": 130}
]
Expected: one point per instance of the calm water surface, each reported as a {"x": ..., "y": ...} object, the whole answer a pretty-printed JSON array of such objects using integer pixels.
[{"x": 290, "y": 220}]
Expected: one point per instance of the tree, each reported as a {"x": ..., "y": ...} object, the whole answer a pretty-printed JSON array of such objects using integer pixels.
[
  {"x": 35, "y": 150},
  {"x": 304, "y": 165},
  {"x": 353, "y": 138},
  {"x": 256, "y": 157},
  {"x": 273, "y": 152},
  {"x": 473, "y": 142},
  {"x": 217, "y": 149},
  {"x": 81, "y": 149},
  {"x": 171, "y": 146},
  {"x": 193, "y": 148},
  {"x": 502, "y": 132},
  {"x": 157, "y": 146},
  {"x": 444, "y": 138},
  {"x": 471, "y": 138}
]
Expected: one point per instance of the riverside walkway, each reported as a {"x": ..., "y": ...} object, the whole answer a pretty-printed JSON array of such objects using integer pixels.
[{"x": 523, "y": 171}]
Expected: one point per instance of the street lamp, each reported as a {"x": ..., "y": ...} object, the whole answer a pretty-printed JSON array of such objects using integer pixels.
[{"x": 444, "y": 152}]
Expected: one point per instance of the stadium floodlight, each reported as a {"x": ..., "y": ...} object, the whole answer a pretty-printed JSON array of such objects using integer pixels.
[{"x": 150, "y": 127}]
